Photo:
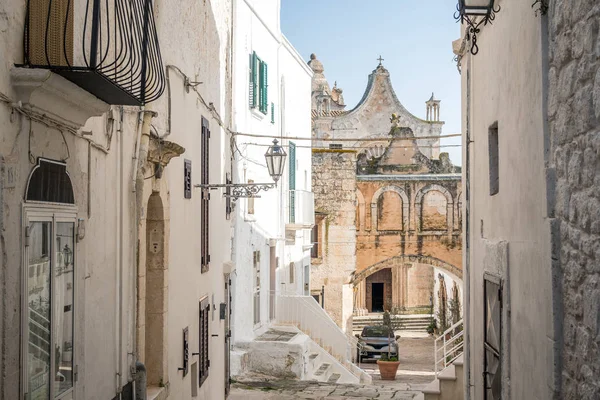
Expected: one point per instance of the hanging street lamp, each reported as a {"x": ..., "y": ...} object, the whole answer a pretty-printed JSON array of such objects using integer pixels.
[
  {"x": 275, "y": 158},
  {"x": 475, "y": 13}
]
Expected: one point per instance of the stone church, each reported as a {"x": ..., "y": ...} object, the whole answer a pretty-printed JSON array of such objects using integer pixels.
[{"x": 387, "y": 204}]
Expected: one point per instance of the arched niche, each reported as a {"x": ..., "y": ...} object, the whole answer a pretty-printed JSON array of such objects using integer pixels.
[
  {"x": 449, "y": 207},
  {"x": 360, "y": 211},
  {"x": 376, "y": 206}
]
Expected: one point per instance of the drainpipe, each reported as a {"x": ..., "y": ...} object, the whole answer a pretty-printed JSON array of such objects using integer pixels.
[{"x": 467, "y": 237}]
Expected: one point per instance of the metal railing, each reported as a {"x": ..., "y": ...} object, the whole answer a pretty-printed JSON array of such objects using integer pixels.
[
  {"x": 308, "y": 316},
  {"x": 108, "y": 48},
  {"x": 449, "y": 346},
  {"x": 300, "y": 209}
]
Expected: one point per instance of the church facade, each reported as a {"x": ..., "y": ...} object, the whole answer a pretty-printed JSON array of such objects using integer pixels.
[{"x": 387, "y": 203}]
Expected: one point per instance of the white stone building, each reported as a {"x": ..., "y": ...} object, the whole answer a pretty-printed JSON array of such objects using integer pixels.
[
  {"x": 272, "y": 231},
  {"x": 531, "y": 151},
  {"x": 106, "y": 260}
]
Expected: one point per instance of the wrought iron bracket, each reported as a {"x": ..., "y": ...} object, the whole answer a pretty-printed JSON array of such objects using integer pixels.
[
  {"x": 240, "y": 190},
  {"x": 542, "y": 7},
  {"x": 474, "y": 25}
]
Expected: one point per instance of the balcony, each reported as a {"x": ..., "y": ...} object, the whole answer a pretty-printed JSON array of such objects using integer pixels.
[
  {"x": 109, "y": 49},
  {"x": 300, "y": 210}
]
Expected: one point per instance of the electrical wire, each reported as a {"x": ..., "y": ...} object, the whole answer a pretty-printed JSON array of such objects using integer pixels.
[{"x": 345, "y": 139}]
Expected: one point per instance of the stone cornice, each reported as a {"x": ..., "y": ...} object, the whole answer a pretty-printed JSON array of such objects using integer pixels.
[{"x": 53, "y": 96}]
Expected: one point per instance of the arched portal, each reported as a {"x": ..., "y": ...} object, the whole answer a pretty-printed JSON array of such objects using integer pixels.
[
  {"x": 404, "y": 282},
  {"x": 156, "y": 296}
]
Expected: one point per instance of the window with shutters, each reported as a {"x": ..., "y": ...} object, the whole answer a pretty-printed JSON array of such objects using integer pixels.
[
  {"x": 258, "y": 84},
  {"x": 292, "y": 182},
  {"x": 203, "y": 349},
  {"x": 256, "y": 264},
  {"x": 204, "y": 207},
  {"x": 292, "y": 268}
]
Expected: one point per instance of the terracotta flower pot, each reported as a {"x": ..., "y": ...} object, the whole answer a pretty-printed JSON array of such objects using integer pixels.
[{"x": 388, "y": 369}]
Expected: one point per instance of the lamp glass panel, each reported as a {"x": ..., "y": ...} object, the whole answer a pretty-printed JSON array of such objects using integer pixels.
[
  {"x": 270, "y": 167},
  {"x": 477, "y": 3}
]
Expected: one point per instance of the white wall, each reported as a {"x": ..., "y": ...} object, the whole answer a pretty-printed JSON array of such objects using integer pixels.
[
  {"x": 509, "y": 232},
  {"x": 257, "y": 29},
  {"x": 194, "y": 36}
]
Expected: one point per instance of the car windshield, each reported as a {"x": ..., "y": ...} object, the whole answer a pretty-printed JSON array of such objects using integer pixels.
[{"x": 376, "y": 331}]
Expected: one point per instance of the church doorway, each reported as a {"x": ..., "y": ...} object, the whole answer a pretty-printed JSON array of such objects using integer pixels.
[
  {"x": 379, "y": 291},
  {"x": 377, "y": 302}
]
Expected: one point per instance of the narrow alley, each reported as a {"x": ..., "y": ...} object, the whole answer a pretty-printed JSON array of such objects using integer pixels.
[{"x": 299, "y": 199}]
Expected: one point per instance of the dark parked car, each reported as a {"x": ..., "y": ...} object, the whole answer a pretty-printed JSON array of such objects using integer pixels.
[{"x": 375, "y": 341}]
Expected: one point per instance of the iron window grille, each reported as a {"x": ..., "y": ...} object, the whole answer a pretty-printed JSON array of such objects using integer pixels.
[
  {"x": 109, "y": 48},
  {"x": 203, "y": 349}
]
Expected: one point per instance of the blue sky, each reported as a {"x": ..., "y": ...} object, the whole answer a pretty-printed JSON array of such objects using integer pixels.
[{"x": 414, "y": 38}]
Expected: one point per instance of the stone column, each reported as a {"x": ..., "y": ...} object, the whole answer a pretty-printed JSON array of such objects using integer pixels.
[
  {"x": 374, "y": 216},
  {"x": 396, "y": 286}
]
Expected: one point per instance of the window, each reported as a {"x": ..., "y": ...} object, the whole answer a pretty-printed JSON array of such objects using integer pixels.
[
  {"x": 250, "y": 200},
  {"x": 314, "y": 238},
  {"x": 336, "y": 146},
  {"x": 292, "y": 181},
  {"x": 494, "y": 159},
  {"x": 204, "y": 361},
  {"x": 204, "y": 208},
  {"x": 258, "y": 84},
  {"x": 292, "y": 267},
  {"x": 256, "y": 264},
  {"x": 492, "y": 355},
  {"x": 187, "y": 179}
]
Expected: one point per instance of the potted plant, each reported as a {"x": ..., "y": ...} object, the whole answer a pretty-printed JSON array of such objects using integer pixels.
[{"x": 388, "y": 363}]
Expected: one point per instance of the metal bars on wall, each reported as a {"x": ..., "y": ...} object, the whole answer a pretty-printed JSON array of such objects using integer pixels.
[{"x": 204, "y": 208}]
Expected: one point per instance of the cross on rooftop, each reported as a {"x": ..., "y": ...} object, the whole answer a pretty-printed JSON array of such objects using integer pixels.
[{"x": 380, "y": 60}]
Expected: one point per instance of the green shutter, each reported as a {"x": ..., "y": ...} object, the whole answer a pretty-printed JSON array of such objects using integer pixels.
[
  {"x": 253, "y": 80},
  {"x": 272, "y": 113},
  {"x": 292, "y": 181},
  {"x": 264, "y": 101}
]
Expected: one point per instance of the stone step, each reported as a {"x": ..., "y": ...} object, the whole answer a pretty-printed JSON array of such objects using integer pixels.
[
  {"x": 334, "y": 378},
  {"x": 313, "y": 360},
  {"x": 323, "y": 373}
]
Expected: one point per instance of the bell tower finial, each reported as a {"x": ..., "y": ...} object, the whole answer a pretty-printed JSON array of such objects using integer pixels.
[
  {"x": 380, "y": 60},
  {"x": 433, "y": 109}
]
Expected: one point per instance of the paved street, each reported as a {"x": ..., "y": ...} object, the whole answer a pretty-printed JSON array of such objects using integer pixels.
[
  {"x": 416, "y": 370},
  {"x": 303, "y": 390}
]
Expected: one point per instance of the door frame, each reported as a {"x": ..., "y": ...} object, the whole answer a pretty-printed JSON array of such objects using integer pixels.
[{"x": 33, "y": 211}]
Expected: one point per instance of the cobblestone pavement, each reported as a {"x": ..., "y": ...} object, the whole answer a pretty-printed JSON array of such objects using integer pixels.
[
  {"x": 416, "y": 362},
  {"x": 305, "y": 390},
  {"x": 416, "y": 370}
]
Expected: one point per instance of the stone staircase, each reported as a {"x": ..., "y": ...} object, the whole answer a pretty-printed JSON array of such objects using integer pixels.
[
  {"x": 286, "y": 352},
  {"x": 410, "y": 322},
  {"x": 449, "y": 383}
]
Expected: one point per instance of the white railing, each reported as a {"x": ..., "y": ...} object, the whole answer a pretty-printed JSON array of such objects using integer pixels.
[
  {"x": 307, "y": 315},
  {"x": 449, "y": 346},
  {"x": 300, "y": 209}
]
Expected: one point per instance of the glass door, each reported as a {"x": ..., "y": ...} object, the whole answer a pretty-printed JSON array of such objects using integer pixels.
[
  {"x": 39, "y": 347},
  {"x": 49, "y": 276}
]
